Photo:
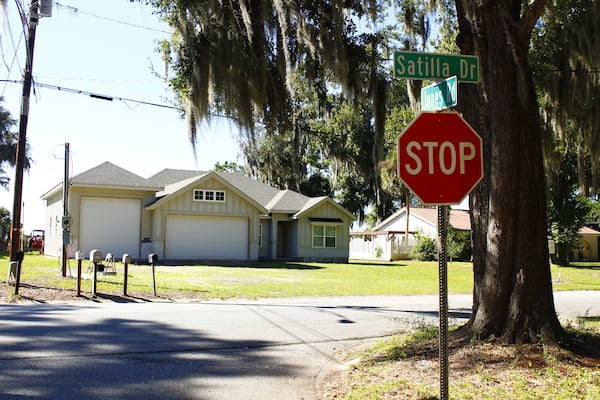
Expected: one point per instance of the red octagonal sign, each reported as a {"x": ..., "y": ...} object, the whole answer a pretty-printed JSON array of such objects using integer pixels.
[{"x": 440, "y": 157}]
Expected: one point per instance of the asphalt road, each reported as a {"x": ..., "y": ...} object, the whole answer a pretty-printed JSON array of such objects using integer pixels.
[{"x": 243, "y": 349}]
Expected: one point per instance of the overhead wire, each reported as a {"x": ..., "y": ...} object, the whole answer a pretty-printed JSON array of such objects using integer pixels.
[
  {"x": 23, "y": 18},
  {"x": 94, "y": 95},
  {"x": 105, "y": 97},
  {"x": 80, "y": 11}
]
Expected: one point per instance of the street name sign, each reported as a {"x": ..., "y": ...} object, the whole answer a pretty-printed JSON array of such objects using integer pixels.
[
  {"x": 419, "y": 66},
  {"x": 440, "y": 157},
  {"x": 440, "y": 96}
]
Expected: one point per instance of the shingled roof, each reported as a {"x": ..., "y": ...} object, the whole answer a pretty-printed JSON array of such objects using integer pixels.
[
  {"x": 169, "y": 181},
  {"x": 107, "y": 175},
  {"x": 110, "y": 175},
  {"x": 459, "y": 219},
  {"x": 169, "y": 176}
]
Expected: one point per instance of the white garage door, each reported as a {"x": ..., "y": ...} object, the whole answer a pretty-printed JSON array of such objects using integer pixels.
[
  {"x": 110, "y": 225},
  {"x": 209, "y": 238}
]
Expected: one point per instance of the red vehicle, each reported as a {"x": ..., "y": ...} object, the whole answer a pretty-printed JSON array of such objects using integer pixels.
[{"x": 36, "y": 240}]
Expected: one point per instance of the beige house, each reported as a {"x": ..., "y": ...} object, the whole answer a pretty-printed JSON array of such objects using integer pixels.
[
  {"x": 192, "y": 215},
  {"x": 587, "y": 245}
]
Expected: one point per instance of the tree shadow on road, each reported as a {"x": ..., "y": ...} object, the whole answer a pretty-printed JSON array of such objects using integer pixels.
[{"x": 44, "y": 355}]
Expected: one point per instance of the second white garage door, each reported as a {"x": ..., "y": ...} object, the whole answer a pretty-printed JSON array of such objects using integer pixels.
[{"x": 209, "y": 238}]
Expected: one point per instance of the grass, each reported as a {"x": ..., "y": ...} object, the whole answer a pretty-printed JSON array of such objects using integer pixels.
[
  {"x": 406, "y": 366},
  {"x": 281, "y": 279}
]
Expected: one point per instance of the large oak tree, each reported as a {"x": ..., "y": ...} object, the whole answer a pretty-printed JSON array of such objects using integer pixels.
[
  {"x": 242, "y": 57},
  {"x": 513, "y": 290}
]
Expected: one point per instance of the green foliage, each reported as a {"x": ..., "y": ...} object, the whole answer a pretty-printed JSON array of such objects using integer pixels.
[
  {"x": 8, "y": 146},
  {"x": 594, "y": 214},
  {"x": 228, "y": 166},
  {"x": 567, "y": 211},
  {"x": 459, "y": 244},
  {"x": 5, "y": 223},
  {"x": 397, "y": 120},
  {"x": 425, "y": 249},
  {"x": 563, "y": 57},
  {"x": 316, "y": 185}
]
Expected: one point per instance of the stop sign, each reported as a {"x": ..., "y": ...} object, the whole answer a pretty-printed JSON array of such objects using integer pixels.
[{"x": 440, "y": 157}]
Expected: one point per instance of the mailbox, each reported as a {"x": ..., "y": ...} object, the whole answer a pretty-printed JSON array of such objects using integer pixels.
[
  {"x": 96, "y": 256},
  {"x": 80, "y": 255},
  {"x": 152, "y": 258},
  {"x": 126, "y": 259}
]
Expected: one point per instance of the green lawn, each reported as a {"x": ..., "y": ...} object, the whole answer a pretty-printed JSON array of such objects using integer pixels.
[{"x": 284, "y": 279}]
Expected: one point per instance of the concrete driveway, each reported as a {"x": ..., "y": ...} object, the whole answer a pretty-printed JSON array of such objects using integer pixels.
[{"x": 241, "y": 349}]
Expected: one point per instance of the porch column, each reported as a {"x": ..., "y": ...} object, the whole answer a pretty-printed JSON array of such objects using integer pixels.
[{"x": 273, "y": 239}]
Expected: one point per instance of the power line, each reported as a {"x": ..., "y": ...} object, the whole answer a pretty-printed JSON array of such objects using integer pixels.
[
  {"x": 78, "y": 10},
  {"x": 93, "y": 95},
  {"x": 110, "y": 97}
]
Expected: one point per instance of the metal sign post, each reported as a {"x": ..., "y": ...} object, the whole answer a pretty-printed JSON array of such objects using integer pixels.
[
  {"x": 440, "y": 158},
  {"x": 443, "y": 277}
]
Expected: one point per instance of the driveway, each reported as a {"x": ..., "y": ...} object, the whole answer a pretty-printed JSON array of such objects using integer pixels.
[{"x": 240, "y": 349}]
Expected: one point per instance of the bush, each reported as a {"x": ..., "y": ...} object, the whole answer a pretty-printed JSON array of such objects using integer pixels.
[
  {"x": 425, "y": 250},
  {"x": 459, "y": 245}
]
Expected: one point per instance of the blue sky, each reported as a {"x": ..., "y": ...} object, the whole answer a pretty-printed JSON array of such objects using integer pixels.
[{"x": 106, "y": 48}]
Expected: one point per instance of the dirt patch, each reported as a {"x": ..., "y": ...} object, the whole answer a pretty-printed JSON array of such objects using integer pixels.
[
  {"x": 37, "y": 292},
  {"x": 482, "y": 370}
]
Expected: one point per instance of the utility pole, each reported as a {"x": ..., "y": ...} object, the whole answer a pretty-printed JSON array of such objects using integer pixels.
[
  {"x": 15, "y": 232},
  {"x": 16, "y": 254},
  {"x": 66, "y": 219}
]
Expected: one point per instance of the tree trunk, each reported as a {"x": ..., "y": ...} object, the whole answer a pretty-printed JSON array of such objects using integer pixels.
[
  {"x": 512, "y": 296},
  {"x": 583, "y": 186}
]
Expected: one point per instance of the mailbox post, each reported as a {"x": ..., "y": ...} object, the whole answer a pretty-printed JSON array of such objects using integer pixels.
[
  {"x": 153, "y": 259},
  {"x": 79, "y": 256},
  {"x": 126, "y": 262},
  {"x": 20, "y": 256},
  {"x": 95, "y": 258}
]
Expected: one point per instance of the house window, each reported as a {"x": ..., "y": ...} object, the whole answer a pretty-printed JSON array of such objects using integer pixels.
[
  {"x": 324, "y": 235},
  {"x": 209, "y": 195},
  {"x": 260, "y": 230}
]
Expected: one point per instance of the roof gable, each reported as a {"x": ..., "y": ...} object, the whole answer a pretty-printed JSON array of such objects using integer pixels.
[
  {"x": 177, "y": 188},
  {"x": 586, "y": 230},
  {"x": 317, "y": 201}
]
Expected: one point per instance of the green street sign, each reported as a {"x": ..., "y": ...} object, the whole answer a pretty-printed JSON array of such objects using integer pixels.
[
  {"x": 440, "y": 96},
  {"x": 419, "y": 66}
]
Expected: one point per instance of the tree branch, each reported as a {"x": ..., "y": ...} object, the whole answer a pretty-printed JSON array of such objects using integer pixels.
[{"x": 530, "y": 16}]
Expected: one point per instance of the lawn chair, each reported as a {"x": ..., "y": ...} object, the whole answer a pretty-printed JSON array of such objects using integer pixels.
[{"x": 109, "y": 264}]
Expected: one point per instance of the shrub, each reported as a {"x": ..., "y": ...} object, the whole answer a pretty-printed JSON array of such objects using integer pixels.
[
  {"x": 425, "y": 249},
  {"x": 459, "y": 245}
]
